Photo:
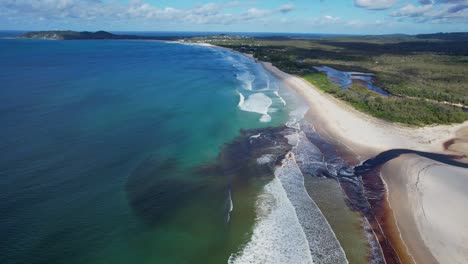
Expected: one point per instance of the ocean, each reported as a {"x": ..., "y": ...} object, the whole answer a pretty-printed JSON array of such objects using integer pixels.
[{"x": 120, "y": 151}]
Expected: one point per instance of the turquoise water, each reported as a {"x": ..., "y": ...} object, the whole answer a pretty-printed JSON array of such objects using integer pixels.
[{"x": 104, "y": 145}]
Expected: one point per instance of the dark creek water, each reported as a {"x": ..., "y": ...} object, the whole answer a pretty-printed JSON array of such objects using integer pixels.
[
  {"x": 346, "y": 79},
  {"x": 388, "y": 155},
  {"x": 366, "y": 190},
  {"x": 326, "y": 162},
  {"x": 362, "y": 184}
]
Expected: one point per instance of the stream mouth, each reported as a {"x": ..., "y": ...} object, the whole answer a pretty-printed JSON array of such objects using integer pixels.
[
  {"x": 388, "y": 155},
  {"x": 366, "y": 191}
]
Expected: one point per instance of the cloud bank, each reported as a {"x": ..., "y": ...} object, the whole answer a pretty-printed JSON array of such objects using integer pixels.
[
  {"x": 210, "y": 13},
  {"x": 435, "y": 11},
  {"x": 375, "y": 4}
]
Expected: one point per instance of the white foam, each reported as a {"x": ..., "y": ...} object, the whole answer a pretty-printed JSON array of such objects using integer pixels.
[
  {"x": 231, "y": 207},
  {"x": 293, "y": 139},
  {"x": 241, "y": 99},
  {"x": 265, "y": 118},
  {"x": 281, "y": 98},
  {"x": 247, "y": 80},
  {"x": 267, "y": 158},
  {"x": 323, "y": 244},
  {"x": 277, "y": 236},
  {"x": 257, "y": 103},
  {"x": 296, "y": 116},
  {"x": 256, "y": 136}
]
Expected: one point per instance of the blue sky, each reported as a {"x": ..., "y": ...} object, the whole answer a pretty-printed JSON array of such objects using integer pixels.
[{"x": 307, "y": 16}]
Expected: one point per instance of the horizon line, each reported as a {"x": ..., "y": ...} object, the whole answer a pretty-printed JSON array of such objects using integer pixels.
[{"x": 232, "y": 32}]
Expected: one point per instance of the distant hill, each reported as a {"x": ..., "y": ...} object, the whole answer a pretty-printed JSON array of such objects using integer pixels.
[
  {"x": 75, "y": 35},
  {"x": 457, "y": 36}
]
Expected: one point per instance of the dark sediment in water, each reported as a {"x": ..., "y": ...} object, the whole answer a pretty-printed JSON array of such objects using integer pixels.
[
  {"x": 238, "y": 159},
  {"x": 230, "y": 185},
  {"x": 226, "y": 189},
  {"x": 157, "y": 186}
]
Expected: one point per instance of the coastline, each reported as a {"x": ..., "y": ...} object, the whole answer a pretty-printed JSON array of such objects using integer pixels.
[
  {"x": 428, "y": 197},
  {"x": 364, "y": 136},
  {"x": 407, "y": 210}
]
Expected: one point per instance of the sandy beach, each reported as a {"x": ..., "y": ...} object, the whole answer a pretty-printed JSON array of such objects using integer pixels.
[{"x": 426, "y": 197}]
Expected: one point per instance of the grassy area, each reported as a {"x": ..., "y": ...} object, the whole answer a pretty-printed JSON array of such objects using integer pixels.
[
  {"x": 403, "y": 110},
  {"x": 421, "y": 74}
]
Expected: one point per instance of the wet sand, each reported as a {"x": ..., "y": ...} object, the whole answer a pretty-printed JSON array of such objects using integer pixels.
[{"x": 347, "y": 224}]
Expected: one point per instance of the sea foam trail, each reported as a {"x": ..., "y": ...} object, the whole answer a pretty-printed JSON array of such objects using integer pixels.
[
  {"x": 280, "y": 98},
  {"x": 277, "y": 237},
  {"x": 256, "y": 103},
  {"x": 231, "y": 206},
  {"x": 265, "y": 118},
  {"x": 247, "y": 80},
  {"x": 241, "y": 99},
  {"x": 323, "y": 244}
]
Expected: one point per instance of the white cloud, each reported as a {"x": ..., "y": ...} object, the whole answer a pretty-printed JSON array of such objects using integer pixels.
[
  {"x": 412, "y": 10},
  {"x": 286, "y": 8},
  {"x": 443, "y": 11},
  {"x": 324, "y": 21},
  {"x": 331, "y": 18},
  {"x": 375, "y": 4},
  {"x": 209, "y": 13},
  {"x": 357, "y": 23},
  {"x": 253, "y": 13}
]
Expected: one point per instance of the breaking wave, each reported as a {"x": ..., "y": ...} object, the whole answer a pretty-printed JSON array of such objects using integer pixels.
[
  {"x": 231, "y": 206},
  {"x": 280, "y": 98},
  {"x": 256, "y": 103},
  {"x": 247, "y": 79},
  {"x": 278, "y": 236},
  {"x": 241, "y": 99}
]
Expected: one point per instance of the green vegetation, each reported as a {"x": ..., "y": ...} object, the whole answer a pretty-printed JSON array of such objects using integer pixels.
[
  {"x": 403, "y": 110},
  {"x": 426, "y": 75}
]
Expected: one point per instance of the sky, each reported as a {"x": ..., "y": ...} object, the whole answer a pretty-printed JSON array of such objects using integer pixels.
[{"x": 300, "y": 16}]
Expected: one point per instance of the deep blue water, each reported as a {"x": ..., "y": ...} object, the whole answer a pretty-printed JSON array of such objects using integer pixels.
[{"x": 101, "y": 141}]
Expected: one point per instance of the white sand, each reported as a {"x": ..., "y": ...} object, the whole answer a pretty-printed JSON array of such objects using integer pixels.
[
  {"x": 362, "y": 130},
  {"x": 431, "y": 198},
  {"x": 429, "y": 203}
]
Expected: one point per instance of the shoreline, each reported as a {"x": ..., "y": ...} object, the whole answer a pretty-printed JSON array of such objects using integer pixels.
[
  {"x": 407, "y": 228},
  {"x": 365, "y": 136}
]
